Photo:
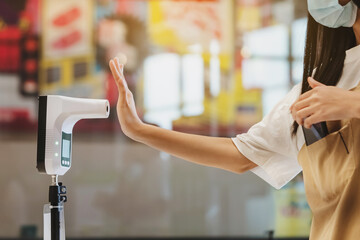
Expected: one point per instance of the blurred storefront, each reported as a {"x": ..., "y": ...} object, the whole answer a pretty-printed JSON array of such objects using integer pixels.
[{"x": 211, "y": 67}]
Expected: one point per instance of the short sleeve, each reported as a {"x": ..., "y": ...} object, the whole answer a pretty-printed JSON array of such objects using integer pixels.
[{"x": 270, "y": 144}]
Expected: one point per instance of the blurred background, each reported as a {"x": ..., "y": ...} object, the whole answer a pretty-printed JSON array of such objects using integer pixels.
[{"x": 211, "y": 67}]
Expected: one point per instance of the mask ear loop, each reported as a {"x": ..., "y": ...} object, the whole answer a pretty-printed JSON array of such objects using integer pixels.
[{"x": 342, "y": 139}]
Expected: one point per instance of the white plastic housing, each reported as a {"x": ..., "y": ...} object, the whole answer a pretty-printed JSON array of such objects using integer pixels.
[{"x": 61, "y": 115}]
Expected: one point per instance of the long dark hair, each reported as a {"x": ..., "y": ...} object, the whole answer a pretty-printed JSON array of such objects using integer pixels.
[{"x": 324, "y": 51}]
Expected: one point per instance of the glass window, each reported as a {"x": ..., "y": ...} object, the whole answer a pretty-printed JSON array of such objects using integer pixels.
[
  {"x": 268, "y": 42},
  {"x": 192, "y": 84},
  {"x": 267, "y": 66}
]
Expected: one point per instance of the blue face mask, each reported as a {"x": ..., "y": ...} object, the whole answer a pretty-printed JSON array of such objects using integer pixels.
[{"x": 331, "y": 14}]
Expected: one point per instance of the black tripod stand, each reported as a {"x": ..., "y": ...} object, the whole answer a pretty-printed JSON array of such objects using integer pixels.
[{"x": 54, "y": 221}]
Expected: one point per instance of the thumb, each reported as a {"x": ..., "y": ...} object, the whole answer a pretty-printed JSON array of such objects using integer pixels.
[{"x": 313, "y": 83}]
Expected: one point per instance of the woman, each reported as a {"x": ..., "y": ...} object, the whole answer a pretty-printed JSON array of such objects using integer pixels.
[{"x": 271, "y": 148}]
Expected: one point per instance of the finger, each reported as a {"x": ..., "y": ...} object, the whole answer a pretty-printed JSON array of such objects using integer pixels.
[
  {"x": 313, "y": 119},
  {"x": 120, "y": 68},
  {"x": 114, "y": 71},
  {"x": 306, "y": 95},
  {"x": 117, "y": 61},
  {"x": 292, "y": 106},
  {"x": 304, "y": 114},
  {"x": 293, "y": 114},
  {"x": 301, "y": 104},
  {"x": 122, "y": 74},
  {"x": 313, "y": 83},
  {"x": 294, "y": 103},
  {"x": 296, "y": 118},
  {"x": 118, "y": 80}
]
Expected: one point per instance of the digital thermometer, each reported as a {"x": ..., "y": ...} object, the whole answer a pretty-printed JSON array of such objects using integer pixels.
[{"x": 57, "y": 117}]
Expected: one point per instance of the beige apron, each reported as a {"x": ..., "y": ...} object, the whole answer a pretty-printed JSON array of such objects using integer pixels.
[{"x": 332, "y": 181}]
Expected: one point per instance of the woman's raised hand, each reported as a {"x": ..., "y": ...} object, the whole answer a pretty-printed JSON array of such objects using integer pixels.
[
  {"x": 129, "y": 120},
  {"x": 325, "y": 103}
]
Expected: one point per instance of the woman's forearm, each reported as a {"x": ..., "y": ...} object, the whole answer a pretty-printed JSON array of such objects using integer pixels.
[{"x": 209, "y": 151}]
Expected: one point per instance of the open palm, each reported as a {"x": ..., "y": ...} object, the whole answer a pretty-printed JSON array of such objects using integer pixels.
[{"x": 129, "y": 120}]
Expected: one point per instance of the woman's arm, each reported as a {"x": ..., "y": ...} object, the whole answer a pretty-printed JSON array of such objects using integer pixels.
[{"x": 209, "y": 151}]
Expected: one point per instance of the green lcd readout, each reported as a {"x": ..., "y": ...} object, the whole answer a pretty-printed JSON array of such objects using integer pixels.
[{"x": 65, "y": 149}]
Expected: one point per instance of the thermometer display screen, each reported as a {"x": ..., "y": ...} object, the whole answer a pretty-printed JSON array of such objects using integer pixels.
[{"x": 66, "y": 150}]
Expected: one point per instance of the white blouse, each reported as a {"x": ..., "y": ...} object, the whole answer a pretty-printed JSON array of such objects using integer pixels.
[{"x": 270, "y": 143}]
